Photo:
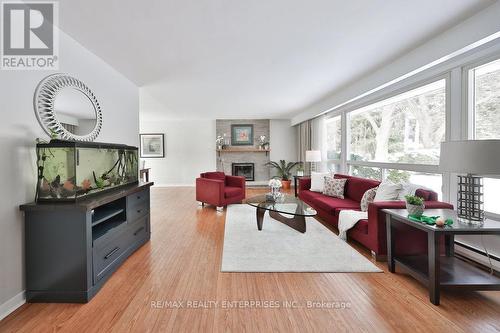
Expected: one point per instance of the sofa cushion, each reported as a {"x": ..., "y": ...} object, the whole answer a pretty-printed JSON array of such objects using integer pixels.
[
  {"x": 309, "y": 196},
  {"x": 334, "y": 187},
  {"x": 427, "y": 195},
  {"x": 356, "y": 187},
  {"x": 231, "y": 191},
  {"x": 368, "y": 198},
  {"x": 214, "y": 175},
  {"x": 361, "y": 226},
  {"x": 334, "y": 205},
  {"x": 387, "y": 191},
  {"x": 318, "y": 181}
]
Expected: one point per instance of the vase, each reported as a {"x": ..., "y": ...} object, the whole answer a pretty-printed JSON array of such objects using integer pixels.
[
  {"x": 415, "y": 210},
  {"x": 286, "y": 184},
  {"x": 275, "y": 190}
]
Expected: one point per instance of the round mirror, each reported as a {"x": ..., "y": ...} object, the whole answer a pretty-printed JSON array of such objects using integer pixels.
[
  {"x": 75, "y": 111},
  {"x": 67, "y": 108}
]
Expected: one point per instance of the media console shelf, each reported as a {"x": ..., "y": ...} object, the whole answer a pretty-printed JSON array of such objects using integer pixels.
[{"x": 73, "y": 248}]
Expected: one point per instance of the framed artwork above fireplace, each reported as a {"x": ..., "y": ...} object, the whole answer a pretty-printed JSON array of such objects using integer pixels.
[{"x": 242, "y": 135}]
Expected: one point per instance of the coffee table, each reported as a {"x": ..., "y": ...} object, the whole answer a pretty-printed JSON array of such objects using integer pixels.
[{"x": 288, "y": 205}]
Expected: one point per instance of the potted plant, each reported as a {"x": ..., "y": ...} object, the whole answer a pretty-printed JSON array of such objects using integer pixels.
[
  {"x": 284, "y": 170},
  {"x": 414, "y": 205}
]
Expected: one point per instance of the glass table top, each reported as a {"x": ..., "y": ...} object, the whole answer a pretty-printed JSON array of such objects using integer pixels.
[{"x": 286, "y": 204}]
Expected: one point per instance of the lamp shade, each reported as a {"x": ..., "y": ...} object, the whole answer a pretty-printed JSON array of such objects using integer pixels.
[
  {"x": 477, "y": 157},
  {"x": 313, "y": 156}
]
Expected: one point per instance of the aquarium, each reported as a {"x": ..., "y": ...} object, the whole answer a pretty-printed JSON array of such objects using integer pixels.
[{"x": 70, "y": 170}]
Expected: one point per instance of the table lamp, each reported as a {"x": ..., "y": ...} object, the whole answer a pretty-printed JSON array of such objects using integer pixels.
[
  {"x": 313, "y": 156},
  {"x": 471, "y": 159}
]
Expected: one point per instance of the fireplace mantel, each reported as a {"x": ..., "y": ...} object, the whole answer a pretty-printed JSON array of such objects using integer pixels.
[{"x": 243, "y": 150}]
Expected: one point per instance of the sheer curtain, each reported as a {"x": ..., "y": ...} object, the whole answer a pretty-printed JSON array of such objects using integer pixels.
[
  {"x": 312, "y": 136},
  {"x": 318, "y": 141},
  {"x": 304, "y": 143}
]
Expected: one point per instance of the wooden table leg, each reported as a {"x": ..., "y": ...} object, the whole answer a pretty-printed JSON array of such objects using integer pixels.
[
  {"x": 295, "y": 185},
  {"x": 434, "y": 267},
  {"x": 260, "y": 217},
  {"x": 449, "y": 242},
  {"x": 391, "y": 264},
  {"x": 297, "y": 222}
]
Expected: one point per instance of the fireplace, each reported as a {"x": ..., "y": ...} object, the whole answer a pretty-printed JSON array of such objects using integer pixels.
[{"x": 244, "y": 169}]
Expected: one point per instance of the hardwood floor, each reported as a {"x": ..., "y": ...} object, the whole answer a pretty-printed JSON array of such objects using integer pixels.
[{"x": 182, "y": 263}]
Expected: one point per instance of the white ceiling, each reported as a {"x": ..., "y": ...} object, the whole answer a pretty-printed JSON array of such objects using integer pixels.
[{"x": 251, "y": 59}]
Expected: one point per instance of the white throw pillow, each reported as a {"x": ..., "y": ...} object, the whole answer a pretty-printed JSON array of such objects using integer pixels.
[
  {"x": 368, "y": 198},
  {"x": 387, "y": 191},
  {"x": 318, "y": 181},
  {"x": 409, "y": 189}
]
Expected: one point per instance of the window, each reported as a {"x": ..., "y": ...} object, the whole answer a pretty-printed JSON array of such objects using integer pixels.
[
  {"x": 333, "y": 138},
  {"x": 407, "y": 128},
  {"x": 365, "y": 172},
  {"x": 428, "y": 180},
  {"x": 333, "y": 129},
  {"x": 491, "y": 194},
  {"x": 485, "y": 114},
  {"x": 486, "y": 100}
]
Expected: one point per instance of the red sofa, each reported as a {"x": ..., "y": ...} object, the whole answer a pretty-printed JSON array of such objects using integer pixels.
[
  {"x": 371, "y": 232},
  {"x": 218, "y": 189}
]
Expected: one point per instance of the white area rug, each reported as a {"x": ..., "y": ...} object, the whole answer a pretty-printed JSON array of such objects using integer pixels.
[{"x": 279, "y": 248}]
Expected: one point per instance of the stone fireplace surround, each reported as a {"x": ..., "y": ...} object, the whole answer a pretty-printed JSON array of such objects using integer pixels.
[{"x": 258, "y": 158}]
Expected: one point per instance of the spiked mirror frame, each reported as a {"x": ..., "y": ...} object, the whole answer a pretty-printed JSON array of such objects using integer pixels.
[{"x": 44, "y": 101}]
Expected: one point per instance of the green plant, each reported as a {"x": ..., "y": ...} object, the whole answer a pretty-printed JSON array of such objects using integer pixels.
[
  {"x": 300, "y": 166},
  {"x": 283, "y": 168},
  {"x": 414, "y": 200}
]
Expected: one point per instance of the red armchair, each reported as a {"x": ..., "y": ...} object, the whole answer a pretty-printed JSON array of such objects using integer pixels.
[{"x": 215, "y": 188}]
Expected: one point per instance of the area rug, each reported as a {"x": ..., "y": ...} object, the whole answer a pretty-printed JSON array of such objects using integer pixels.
[{"x": 279, "y": 248}]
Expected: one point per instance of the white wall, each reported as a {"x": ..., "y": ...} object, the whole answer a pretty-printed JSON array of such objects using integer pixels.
[
  {"x": 189, "y": 150},
  {"x": 119, "y": 99},
  {"x": 283, "y": 141}
]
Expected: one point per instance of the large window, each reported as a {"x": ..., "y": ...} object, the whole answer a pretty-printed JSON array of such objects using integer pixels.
[
  {"x": 333, "y": 142},
  {"x": 407, "y": 128},
  {"x": 486, "y": 100},
  {"x": 485, "y": 112}
]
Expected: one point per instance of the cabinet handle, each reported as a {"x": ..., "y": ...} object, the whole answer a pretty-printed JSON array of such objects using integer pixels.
[
  {"x": 111, "y": 253},
  {"x": 138, "y": 231},
  {"x": 138, "y": 197},
  {"x": 139, "y": 210}
]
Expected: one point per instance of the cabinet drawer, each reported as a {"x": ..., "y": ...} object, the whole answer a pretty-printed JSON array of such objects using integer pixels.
[
  {"x": 137, "y": 210},
  {"x": 138, "y": 197},
  {"x": 139, "y": 230},
  {"x": 104, "y": 256}
]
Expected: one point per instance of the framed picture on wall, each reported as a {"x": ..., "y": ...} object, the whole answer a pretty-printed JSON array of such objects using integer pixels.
[
  {"x": 152, "y": 145},
  {"x": 241, "y": 135}
]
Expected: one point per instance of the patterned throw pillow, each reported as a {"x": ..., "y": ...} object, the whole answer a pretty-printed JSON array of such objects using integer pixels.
[
  {"x": 334, "y": 187},
  {"x": 368, "y": 198}
]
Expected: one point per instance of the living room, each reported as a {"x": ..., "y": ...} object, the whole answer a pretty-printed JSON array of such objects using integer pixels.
[{"x": 233, "y": 166}]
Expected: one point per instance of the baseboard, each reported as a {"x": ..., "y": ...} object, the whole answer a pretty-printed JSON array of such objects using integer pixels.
[
  {"x": 12, "y": 304},
  {"x": 477, "y": 256}
]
